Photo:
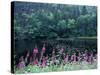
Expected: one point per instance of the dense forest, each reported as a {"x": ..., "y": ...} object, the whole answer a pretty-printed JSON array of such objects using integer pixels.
[{"x": 48, "y": 21}]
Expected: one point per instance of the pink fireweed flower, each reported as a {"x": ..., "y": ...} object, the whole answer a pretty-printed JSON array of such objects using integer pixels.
[
  {"x": 72, "y": 57},
  {"x": 21, "y": 59},
  {"x": 79, "y": 56},
  {"x": 43, "y": 49},
  {"x": 35, "y": 51},
  {"x": 35, "y": 62},
  {"x": 85, "y": 56},
  {"x": 75, "y": 58},
  {"x": 21, "y": 64},
  {"x": 44, "y": 61},
  {"x": 66, "y": 59},
  {"x": 91, "y": 58},
  {"x": 43, "y": 64},
  {"x": 46, "y": 58}
]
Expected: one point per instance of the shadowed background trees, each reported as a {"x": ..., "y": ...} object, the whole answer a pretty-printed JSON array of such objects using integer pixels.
[{"x": 48, "y": 21}]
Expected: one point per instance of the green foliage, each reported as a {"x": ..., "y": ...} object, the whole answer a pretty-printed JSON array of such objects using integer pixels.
[
  {"x": 87, "y": 25},
  {"x": 32, "y": 21},
  {"x": 67, "y": 67},
  {"x": 71, "y": 23}
]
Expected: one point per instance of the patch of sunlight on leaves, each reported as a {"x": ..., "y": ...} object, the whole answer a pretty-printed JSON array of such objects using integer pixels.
[
  {"x": 35, "y": 69},
  {"x": 46, "y": 69}
]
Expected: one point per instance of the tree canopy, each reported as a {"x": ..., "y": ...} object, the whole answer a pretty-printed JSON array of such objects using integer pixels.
[{"x": 48, "y": 21}]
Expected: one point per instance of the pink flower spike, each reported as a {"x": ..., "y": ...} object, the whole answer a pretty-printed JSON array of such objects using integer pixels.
[
  {"x": 42, "y": 65},
  {"x": 72, "y": 57},
  {"x": 44, "y": 61},
  {"x": 35, "y": 62},
  {"x": 21, "y": 65},
  {"x": 66, "y": 59},
  {"x": 75, "y": 58},
  {"x": 43, "y": 49},
  {"x": 35, "y": 51}
]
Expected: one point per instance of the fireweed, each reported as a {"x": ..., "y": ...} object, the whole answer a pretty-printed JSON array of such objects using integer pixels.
[
  {"x": 21, "y": 64},
  {"x": 60, "y": 62}
]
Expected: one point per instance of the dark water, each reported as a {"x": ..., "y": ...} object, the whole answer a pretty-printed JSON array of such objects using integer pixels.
[{"x": 23, "y": 45}]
